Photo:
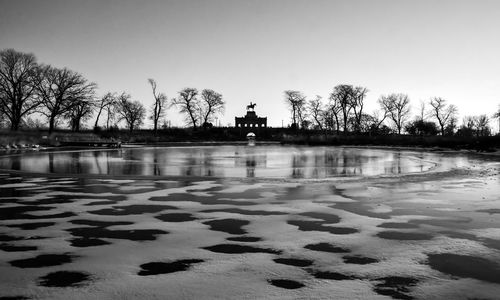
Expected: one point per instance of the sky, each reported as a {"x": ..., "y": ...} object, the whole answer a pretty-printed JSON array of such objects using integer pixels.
[{"x": 254, "y": 50}]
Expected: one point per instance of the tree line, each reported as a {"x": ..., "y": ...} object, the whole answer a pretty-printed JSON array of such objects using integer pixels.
[
  {"x": 63, "y": 95},
  {"x": 344, "y": 113}
]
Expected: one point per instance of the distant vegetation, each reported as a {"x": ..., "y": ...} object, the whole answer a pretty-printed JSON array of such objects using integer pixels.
[{"x": 42, "y": 98}]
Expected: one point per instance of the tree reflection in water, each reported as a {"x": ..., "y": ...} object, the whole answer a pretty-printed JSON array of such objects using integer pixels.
[{"x": 233, "y": 161}]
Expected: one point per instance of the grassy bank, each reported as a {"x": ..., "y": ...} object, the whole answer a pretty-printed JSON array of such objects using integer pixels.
[
  {"x": 489, "y": 143},
  {"x": 216, "y": 135}
]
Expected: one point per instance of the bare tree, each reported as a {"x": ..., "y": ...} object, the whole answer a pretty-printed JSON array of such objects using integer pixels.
[
  {"x": 357, "y": 102},
  {"x": 17, "y": 89},
  {"x": 342, "y": 97},
  {"x": 188, "y": 103},
  {"x": 317, "y": 111},
  {"x": 158, "y": 106},
  {"x": 481, "y": 125},
  {"x": 496, "y": 115},
  {"x": 445, "y": 114},
  {"x": 378, "y": 119},
  {"x": 296, "y": 101},
  {"x": 60, "y": 90},
  {"x": 334, "y": 109},
  {"x": 132, "y": 112},
  {"x": 212, "y": 104},
  {"x": 397, "y": 107},
  {"x": 105, "y": 103},
  {"x": 111, "y": 112},
  {"x": 80, "y": 112}
]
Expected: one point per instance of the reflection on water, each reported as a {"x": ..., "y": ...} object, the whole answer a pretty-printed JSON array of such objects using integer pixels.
[{"x": 232, "y": 161}]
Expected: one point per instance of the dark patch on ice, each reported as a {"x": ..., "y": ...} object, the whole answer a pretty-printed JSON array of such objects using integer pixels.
[
  {"x": 206, "y": 200},
  {"x": 43, "y": 260},
  {"x": 90, "y": 236},
  {"x": 31, "y": 226},
  {"x": 296, "y": 262},
  {"x": 327, "y": 218},
  {"x": 286, "y": 283},
  {"x": 88, "y": 242},
  {"x": 9, "y": 238},
  {"x": 14, "y": 248},
  {"x": 490, "y": 211},
  {"x": 135, "y": 209},
  {"x": 102, "y": 232},
  {"x": 395, "y": 287},
  {"x": 318, "y": 226},
  {"x": 359, "y": 260},
  {"x": 53, "y": 216},
  {"x": 176, "y": 217},
  {"x": 465, "y": 266},
  {"x": 53, "y": 199},
  {"x": 104, "y": 202},
  {"x": 404, "y": 236},
  {"x": 361, "y": 209},
  {"x": 247, "y": 194},
  {"x": 325, "y": 247},
  {"x": 64, "y": 279},
  {"x": 100, "y": 223},
  {"x": 14, "y": 298},
  {"x": 296, "y": 193},
  {"x": 231, "y": 226},
  {"x": 238, "y": 249},
  {"x": 445, "y": 222},
  {"x": 398, "y": 225},
  {"x": 331, "y": 275},
  {"x": 155, "y": 268},
  {"x": 246, "y": 212},
  {"x": 21, "y": 213},
  {"x": 247, "y": 239}
]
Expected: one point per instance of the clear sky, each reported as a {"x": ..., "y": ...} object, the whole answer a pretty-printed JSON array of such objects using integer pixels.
[{"x": 253, "y": 50}]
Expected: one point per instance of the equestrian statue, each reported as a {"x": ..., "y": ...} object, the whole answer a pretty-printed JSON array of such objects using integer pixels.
[{"x": 251, "y": 106}]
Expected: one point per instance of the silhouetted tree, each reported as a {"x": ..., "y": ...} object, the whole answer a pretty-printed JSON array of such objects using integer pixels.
[
  {"x": 105, "y": 103},
  {"x": 212, "y": 104},
  {"x": 421, "y": 127},
  {"x": 188, "y": 103},
  {"x": 334, "y": 108},
  {"x": 357, "y": 102},
  {"x": 132, "y": 112},
  {"x": 342, "y": 98},
  {"x": 317, "y": 111},
  {"x": 445, "y": 114},
  {"x": 496, "y": 115},
  {"x": 60, "y": 90},
  {"x": 378, "y": 120},
  {"x": 158, "y": 107},
  {"x": 481, "y": 125},
  {"x": 296, "y": 102},
  {"x": 17, "y": 89},
  {"x": 397, "y": 107},
  {"x": 80, "y": 112}
]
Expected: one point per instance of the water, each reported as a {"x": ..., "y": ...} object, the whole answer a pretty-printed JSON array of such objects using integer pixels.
[{"x": 229, "y": 161}]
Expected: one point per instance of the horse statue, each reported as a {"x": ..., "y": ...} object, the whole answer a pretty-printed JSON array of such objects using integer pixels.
[{"x": 251, "y": 106}]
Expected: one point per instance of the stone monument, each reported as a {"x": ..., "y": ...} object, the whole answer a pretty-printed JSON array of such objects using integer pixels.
[{"x": 250, "y": 120}]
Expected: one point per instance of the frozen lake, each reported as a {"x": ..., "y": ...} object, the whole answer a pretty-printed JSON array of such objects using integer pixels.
[
  {"x": 234, "y": 222},
  {"x": 231, "y": 161}
]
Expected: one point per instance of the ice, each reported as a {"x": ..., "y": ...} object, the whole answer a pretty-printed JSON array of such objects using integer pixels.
[{"x": 440, "y": 206}]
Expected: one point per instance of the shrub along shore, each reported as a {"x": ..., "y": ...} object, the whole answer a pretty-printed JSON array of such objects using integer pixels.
[{"x": 187, "y": 136}]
